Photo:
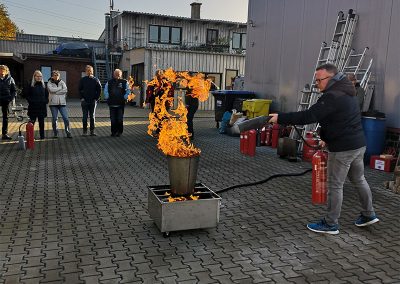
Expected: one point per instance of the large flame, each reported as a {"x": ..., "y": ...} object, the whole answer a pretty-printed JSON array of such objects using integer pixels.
[
  {"x": 171, "y": 125},
  {"x": 131, "y": 83}
]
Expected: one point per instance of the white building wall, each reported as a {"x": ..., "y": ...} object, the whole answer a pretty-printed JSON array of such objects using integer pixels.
[{"x": 193, "y": 61}]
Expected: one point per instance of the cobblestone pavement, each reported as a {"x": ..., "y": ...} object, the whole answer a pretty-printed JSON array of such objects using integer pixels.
[{"x": 75, "y": 211}]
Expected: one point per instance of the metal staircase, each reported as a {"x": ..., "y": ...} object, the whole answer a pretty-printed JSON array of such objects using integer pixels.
[{"x": 101, "y": 67}]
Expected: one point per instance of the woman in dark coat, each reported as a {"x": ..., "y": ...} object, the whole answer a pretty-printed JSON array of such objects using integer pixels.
[{"x": 38, "y": 97}]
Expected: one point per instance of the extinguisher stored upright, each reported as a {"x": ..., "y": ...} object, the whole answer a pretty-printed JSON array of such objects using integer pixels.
[
  {"x": 319, "y": 190},
  {"x": 21, "y": 138},
  {"x": 30, "y": 142}
]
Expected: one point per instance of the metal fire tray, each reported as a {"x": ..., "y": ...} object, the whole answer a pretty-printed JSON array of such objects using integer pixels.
[{"x": 183, "y": 215}]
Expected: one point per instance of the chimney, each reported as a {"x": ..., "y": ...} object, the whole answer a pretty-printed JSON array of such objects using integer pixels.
[{"x": 195, "y": 10}]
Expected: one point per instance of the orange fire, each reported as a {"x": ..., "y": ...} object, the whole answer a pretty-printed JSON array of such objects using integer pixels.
[
  {"x": 131, "y": 83},
  {"x": 170, "y": 125},
  {"x": 180, "y": 198}
]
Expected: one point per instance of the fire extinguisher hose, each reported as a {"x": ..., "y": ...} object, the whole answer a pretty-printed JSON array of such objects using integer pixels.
[
  {"x": 264, "y": 180},
  {"x": 19, "y": 129}
]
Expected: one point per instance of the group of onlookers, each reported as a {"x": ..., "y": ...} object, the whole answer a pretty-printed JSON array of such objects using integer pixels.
[{"x": 54, "y": 93}]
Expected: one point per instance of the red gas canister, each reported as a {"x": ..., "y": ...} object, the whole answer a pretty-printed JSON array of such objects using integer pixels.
[
  {"x": 275, "y": 135},
  {"x": 252, "y": 142},
  {"x": 30, "y": 144},
  {"x": 309, "y": 146},
  {"x": 319, "y": 177}
]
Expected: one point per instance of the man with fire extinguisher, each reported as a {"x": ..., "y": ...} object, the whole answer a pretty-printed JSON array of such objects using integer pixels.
[{"x": 338, "y": 113}]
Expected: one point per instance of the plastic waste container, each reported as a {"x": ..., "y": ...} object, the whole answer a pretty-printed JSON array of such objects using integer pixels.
[
  {"x": 256, "y": 107},
  {"x": 224, "y": 100},
  {"x": 375, "y": 131}
]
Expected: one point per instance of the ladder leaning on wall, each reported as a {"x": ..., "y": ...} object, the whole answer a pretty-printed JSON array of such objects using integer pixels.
[{"x": 337, "y": 53}]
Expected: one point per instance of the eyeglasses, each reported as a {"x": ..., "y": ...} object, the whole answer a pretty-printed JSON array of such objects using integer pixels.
[{"x": 320, "y": 80}]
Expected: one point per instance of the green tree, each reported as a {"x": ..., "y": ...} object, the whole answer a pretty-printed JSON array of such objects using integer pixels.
[{"x": 8, "y": 28}]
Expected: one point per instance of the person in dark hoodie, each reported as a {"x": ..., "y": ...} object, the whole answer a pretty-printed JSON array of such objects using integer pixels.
[
  {"x": 116, "y": 93},
  {"x": 38, "y": 98},
  {"x": 89, "y": 91},
  {"x": 338, "y": 113},
  {"x": 7, "y": 94}
]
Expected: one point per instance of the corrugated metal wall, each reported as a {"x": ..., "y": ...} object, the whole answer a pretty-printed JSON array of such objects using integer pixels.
[
  {"x": 18, "y": 47},
  {"x": 193, "y": 61},
  {"x": 283, "y": 45}
]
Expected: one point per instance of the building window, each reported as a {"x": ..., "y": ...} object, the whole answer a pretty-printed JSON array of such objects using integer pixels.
[
  {"x": 212, "y": 36},
  {"x": 239, "y": 41},
  {"x": 165, "y": 34},
  {"x": 46, "y": 72}
]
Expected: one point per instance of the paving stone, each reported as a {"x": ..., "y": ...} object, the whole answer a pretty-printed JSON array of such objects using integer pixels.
[{"x": 76, "y": 214}]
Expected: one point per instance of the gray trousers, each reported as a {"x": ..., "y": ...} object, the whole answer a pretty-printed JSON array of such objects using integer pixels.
[{"x": 341, "y": 165}]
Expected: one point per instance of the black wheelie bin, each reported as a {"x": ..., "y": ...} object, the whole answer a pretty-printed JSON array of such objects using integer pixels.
[{"x": 225, "y": 100}]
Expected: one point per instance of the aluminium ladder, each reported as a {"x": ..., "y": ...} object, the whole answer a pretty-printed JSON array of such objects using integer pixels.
[{"x": 335, "y": 53}]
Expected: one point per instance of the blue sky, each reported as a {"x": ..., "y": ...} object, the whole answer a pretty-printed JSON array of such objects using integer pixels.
[{"x": 83, "y": 18}]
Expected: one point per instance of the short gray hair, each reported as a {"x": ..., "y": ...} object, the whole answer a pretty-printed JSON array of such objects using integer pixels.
[{"x": 329, "y": 67}]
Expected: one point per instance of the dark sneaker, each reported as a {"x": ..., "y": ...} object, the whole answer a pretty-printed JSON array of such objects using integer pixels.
[
  {"x": 323, "y": 227},
  {"x": 92, "y": 133},
  {"x": 84, "y": 133},
  {"x": 112, "y": 134},
  {"x": 118, "y": 134},
  {"x": 6, "y": 137},
  {"x": 55, "y": 136},
  {"x": 69, "y": 135},
  {"x": 365, "y": 221}
]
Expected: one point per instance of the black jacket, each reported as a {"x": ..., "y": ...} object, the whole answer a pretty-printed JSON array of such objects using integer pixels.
[
  {"x": 338, "y": 113},
  {"x": 7, "y": 89},
  {"x": 38, "y": 98},
  {"x": 116, "y": 92},
  {"x": 89, "y": 89}
]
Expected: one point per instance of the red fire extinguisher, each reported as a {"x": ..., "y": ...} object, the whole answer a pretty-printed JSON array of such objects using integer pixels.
[
  {"x": 263, "y": 133},
  {"x": 275, "y": 135},
  {"x": 30, "y": 144},
  {"x": 252, "y": 142},
  {"x": 319, "y": 177},
  {"x": 243, "y": 142},
  {"x": 268, "y": 136},
  {"x": 310, "y": 146}
]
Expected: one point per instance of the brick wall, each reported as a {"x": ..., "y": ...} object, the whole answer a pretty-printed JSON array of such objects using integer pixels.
[{"x": 71, "y": 65}]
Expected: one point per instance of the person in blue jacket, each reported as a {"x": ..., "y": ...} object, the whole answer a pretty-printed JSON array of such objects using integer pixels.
[
  {"x": 338, "y": 114},
  {"x": 116, "y": 93}
]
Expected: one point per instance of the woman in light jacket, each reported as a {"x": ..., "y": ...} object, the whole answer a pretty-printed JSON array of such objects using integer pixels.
[{"x": 57, "y": 102}]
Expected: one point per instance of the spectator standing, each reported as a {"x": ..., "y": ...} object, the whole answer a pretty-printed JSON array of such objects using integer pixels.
[
  {"x": 89, "y": 91},
  {"x": 116, "y": 93},
  {"x": 360, "y": 93},
  {"x": 157, "y": 88},
  {"x": 7, "y": 94},
  {"x": 38, "y": 98},
  {"x": 57, "y": 102},
  {"x": 192, "y": 104}
]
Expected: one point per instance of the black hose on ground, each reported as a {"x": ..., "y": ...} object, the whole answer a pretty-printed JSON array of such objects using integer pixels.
[{"x": 264, "y": 180}]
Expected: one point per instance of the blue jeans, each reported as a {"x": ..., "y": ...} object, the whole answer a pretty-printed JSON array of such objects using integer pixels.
[
  {"x": 88, "y": 109},
  {"x": 117, "y": 119},
  {"x": 64, "y": 113},
  {"x": 341, "y": 165}
]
